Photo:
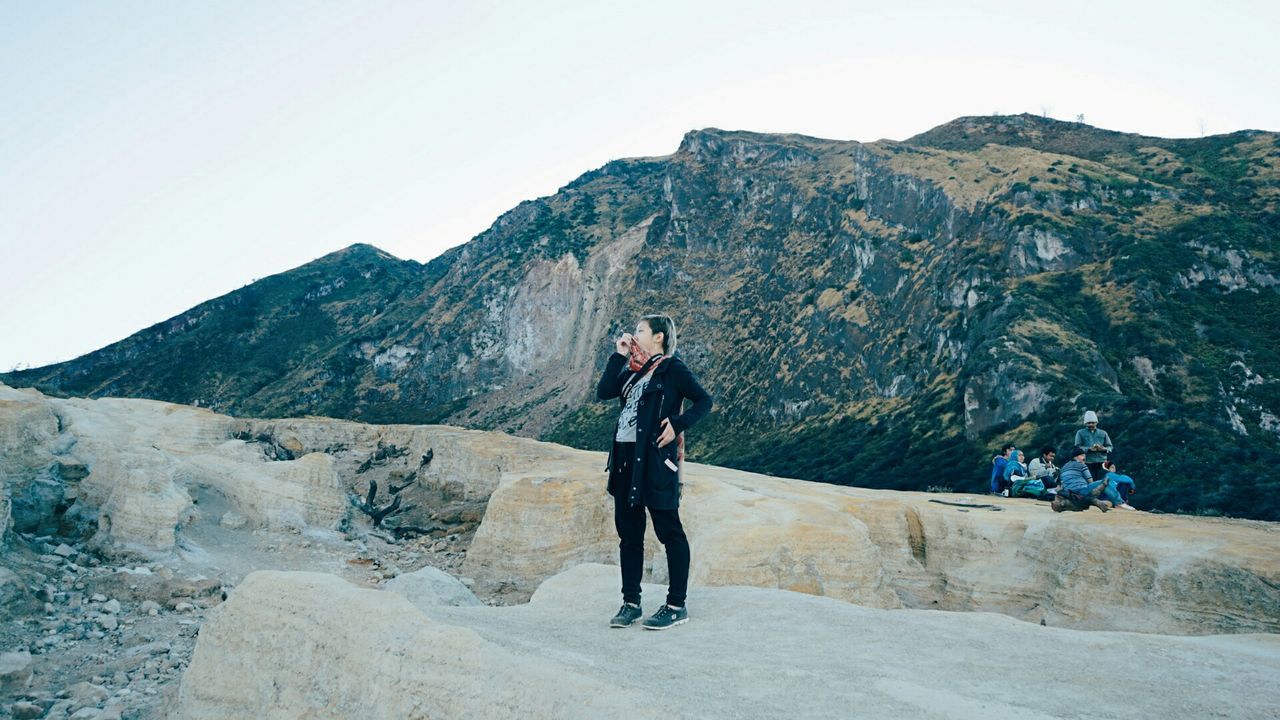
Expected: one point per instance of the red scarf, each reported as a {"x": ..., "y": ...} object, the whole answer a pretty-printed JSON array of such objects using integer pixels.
[{"x": 636, "y": 362}]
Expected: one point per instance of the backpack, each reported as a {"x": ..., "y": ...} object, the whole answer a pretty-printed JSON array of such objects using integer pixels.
[{"x": 1028, "y": 487}]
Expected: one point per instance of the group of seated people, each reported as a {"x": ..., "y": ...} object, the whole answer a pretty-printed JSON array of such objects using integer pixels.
[{"x": 1089, "y": 479}]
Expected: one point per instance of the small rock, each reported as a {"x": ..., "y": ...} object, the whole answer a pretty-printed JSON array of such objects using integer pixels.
[
  {"x": 150, "y": 607},
  {"x": 86, "y": 714},
  {"x": 11, "y": 586},
  {"x": 184, "y": 607},
  {"x": 26, "y": 711},
  {"x": 50, "y": 559},
  {"x": 98, "y": 597},
  {"x": 233, "y": 520},
  {"x": 64, "y": 550},
  {"x": 47, "y": 592},
  {"x": 108, "y": 622},
  {"x": 86, "y": 694},
  {"x": 158, "y": 647},
  {"x": 15, "y": 671},
  {"x": 112, "y": 606},
  {"x": 48, "y": 608}
]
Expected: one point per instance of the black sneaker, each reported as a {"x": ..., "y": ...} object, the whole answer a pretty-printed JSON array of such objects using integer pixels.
[
  {"x": 667, "y": 617},
  {"x": 627, "y": 615}
]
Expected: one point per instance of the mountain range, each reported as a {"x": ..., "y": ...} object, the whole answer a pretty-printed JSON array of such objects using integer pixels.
[{"x": 879, "y": 314}]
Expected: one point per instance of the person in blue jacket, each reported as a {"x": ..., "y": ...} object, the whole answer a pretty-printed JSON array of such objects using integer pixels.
[
  {"x": 997, "y": 470},
  {"x": 1122, "y": 484}
]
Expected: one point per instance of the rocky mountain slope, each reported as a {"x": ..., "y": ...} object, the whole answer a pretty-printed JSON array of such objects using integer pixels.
[{"x": 875, "y": 314}]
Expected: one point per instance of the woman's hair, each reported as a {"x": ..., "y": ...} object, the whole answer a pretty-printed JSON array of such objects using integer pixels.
[{"x": 663, "y": 324}]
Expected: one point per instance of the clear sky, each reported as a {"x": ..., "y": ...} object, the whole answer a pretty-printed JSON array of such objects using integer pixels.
[{"x": 154, "y": 155}]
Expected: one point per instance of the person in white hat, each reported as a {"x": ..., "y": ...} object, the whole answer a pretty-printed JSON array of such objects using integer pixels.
[{"x": 1097, "y": 444}]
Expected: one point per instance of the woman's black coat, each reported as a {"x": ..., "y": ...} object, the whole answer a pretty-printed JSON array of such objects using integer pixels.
[{"x": 653, "y": 483}]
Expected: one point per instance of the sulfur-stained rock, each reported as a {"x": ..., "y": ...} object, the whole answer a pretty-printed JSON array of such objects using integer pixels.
[
  {"x": 292, "y": 494},
  {"x": 293, "y": 645},
  {"x": 1122, "y": 570},
  {"x": 307, "y": 645},
  {"x": 142, "y": 508},
  {"x": 545, "y": 510},
  {"x": 538, "y": 525},
  {"x": 28, "y": 434}
]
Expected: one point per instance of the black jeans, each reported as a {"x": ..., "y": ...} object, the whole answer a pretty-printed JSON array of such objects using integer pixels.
[
  {"x": 1095, "y": 469},
  {"x": 630, "y": 523}
]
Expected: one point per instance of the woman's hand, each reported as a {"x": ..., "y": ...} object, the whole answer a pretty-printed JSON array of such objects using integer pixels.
[
  {"x": 668, "y": 433},
  {"x": 624, "y": 344}
]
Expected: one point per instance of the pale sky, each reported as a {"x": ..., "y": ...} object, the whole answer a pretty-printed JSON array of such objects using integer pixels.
[{"x": 154, "y": 155}]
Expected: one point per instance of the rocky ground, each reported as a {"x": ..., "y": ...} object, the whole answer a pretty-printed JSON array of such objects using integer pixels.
[
  {"x": 110, "y": 640},
  {"x": 131, "y": 527},
  {"x": 307, "y": 645}
]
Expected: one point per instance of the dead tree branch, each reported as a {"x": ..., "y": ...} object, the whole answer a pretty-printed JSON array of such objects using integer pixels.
[{"x": 369, "y": 504}]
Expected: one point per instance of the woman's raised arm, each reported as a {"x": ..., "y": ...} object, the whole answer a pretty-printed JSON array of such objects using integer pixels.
[{"x": 610, "y": 385}]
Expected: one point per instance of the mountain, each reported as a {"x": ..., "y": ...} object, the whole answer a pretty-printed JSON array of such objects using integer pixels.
[{"x": 878, "y": 314}]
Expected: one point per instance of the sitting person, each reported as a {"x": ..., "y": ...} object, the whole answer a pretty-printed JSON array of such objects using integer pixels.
[
  {"x": 1020, "y": 480},
  {"x": 997, "y": 471},
  {"x": 1079, "y": 490},
  {"x": 1122, "y": 484},
  {"x": 1013, "y": 467},
  {"x": 1043, "y": 469}
]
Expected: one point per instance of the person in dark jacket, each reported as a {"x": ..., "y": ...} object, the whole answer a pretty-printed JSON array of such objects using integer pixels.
[{"x": 645, "y": 460}]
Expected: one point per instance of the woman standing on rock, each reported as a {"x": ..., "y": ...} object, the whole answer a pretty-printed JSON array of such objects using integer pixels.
[{"x": 644, "y": 462}]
